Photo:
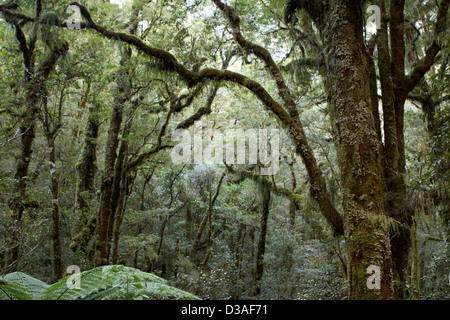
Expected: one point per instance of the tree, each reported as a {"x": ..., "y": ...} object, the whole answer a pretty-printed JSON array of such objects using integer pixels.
[
  {"x": 35, "y": 77},
  {"x": 281, "y": 55}
]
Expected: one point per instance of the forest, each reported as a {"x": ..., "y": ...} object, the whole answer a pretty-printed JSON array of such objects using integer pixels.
[{"x": 224, "y": 150}]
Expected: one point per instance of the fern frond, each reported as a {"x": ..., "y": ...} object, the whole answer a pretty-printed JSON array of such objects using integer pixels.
[{"x": 115, "y": 282}]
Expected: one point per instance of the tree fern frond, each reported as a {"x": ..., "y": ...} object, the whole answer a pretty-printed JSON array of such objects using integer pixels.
[{"x": 115, "y": 282}]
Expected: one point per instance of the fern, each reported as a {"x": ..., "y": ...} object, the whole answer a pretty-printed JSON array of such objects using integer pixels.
[
  {"x": 30, "y": 285},
  {"x": 114, "y": 282},
  {"x": 13, "y": 291}
]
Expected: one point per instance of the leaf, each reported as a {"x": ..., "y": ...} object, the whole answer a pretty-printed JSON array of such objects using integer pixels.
[
  {"x": 30, "y": 286},
  {"x": 103, "y": 283}
]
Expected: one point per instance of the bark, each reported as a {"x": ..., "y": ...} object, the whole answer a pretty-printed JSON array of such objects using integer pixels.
[
  {"x": 117, "y": 184},
  {"x": 56, "y": 221},
  {"x": 259, "y": 258},
  {"x": 292, "y": 203},
  {"x": 111, "y": 178},
  {"x": 19, "y": 203},
  {"x": 202, "y": 225},
  {"x": 87, "y": 165},
  {"x": 396, "y": 196},
  {"x": 397, "y": 203},
  {"x": 391, "y": 68},
  {"x": 125, "y": 191},
  {"x": 415, "y": 267},
  {"x": 86, "y": 170},
  {"x": 101, "y": 248},
  {"x": 34, "y": 81},
  {"x": 208, "y": 241},
  {"x": 51, "y": 126},
  {"x": 365, "y": 223},
  {"x": 188, "y": 223}
]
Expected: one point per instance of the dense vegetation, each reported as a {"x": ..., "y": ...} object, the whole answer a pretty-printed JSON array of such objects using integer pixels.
[{"x": 91, "y": 98}]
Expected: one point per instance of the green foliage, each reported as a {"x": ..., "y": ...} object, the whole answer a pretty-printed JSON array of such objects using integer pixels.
[
  {"x": 162, "y": 211},
  {"x": 31, "y": 286},
  {"x": 115, "y": 282}
]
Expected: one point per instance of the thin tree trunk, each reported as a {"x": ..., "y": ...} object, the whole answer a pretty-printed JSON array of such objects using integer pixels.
[
  {"x": 292, "y": 202},
  {"x": 56, "y": 223},
  {"x": 202, "y": 225},
  {"x": 105, "y": 212},
  {"x": 116, "y": 191},
  {"x": 415, "y": 267},
  {"x": 107, "y": 184},
  {"x": 125, "y": 191},
  {"x": 259, "y": 258},
  {"x": 87, "y": 165},
  {"x": 35, "y": 87},
  {"x": 208, "y": 241},
  {"x": 86, "y": 170},
  {"x": 188, "y": 223}
]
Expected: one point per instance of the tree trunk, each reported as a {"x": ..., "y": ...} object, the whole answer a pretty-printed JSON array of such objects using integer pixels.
[
  {"x": 86, "y": 170},
  {"x": 365, "y": 223},
  {"x": 292, "y": 203},
  {"x": 87, "y": 165},
  {"x": 415, "y": 267},
  {"x": 125, "y": 191},
  {"x": 259, "y": 258},
  {"x": 106, "y": 212},
  {"x": 107, "y": 184},
  {"x": 117, "y": 183},
  {"x": 18, "y": 203},
  {"x": 34, "y": 82},
  {"x": 56, "y": 224},
  {"x": 202, "y": 225}
]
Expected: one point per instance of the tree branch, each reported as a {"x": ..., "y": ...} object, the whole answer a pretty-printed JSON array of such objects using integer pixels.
[
  {"x": 245, "y": 174},
  {"x": 430, "y": 55},
  {"x": 193, "y": 77}
]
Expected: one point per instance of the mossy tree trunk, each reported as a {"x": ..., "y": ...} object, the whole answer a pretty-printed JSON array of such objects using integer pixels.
[
  {"x": 104, "y": 215},
  {"x": 35, "y": 76},
  {"x": 111, "y": 179},
  {"x": 396, "y": 86},
  {"x": 56, "y": 221},
  {"x": 261, "y": 249},
  {"x": 117, "y": 196},
  {"x": 351, "y": 111},
  {"x": 86, "y": 171}
]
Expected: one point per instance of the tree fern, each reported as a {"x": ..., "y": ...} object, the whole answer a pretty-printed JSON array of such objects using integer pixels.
[
  {"x": 20, "y": 286},
  {"x": 103, "y": 283},
  {"x": 13, "y": 291}
]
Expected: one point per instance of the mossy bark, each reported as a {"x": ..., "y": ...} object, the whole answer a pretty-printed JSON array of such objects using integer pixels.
[
  {"x": 261, "y": 249},
  {"x": 86, "y": 171},
  {"x": 365, "y": 222},
  {"x": 35, "y": 84},
  {"x": 101, "y": 247},
  {"x": 415, "y": 266}
]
